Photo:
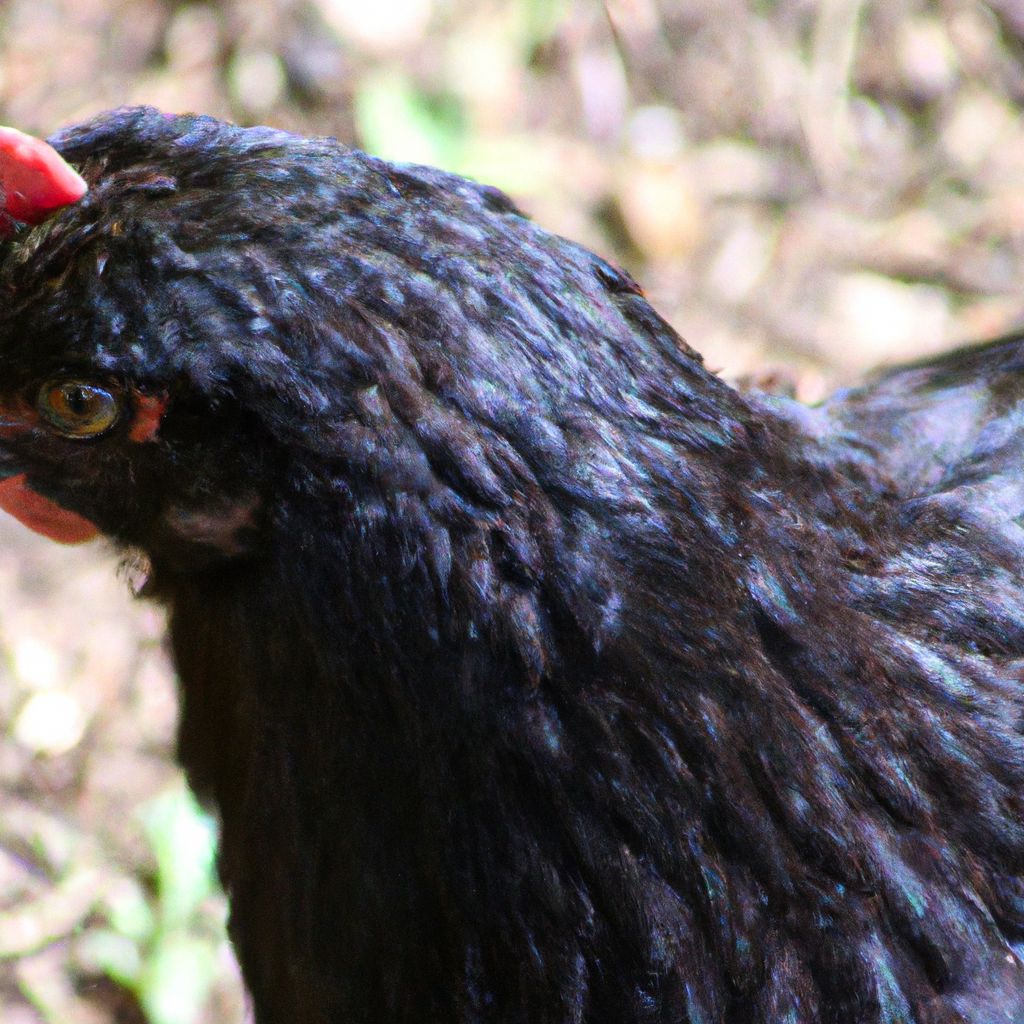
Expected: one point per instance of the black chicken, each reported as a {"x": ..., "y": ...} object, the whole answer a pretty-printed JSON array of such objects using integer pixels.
[{"x": 536, "y": 676}]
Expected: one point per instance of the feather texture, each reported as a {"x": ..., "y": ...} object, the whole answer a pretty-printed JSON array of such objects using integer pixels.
[{"x": 537, "y": 676}]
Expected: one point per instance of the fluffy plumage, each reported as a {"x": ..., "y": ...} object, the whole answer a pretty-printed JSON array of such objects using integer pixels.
[{"x": 536, "y": 676}]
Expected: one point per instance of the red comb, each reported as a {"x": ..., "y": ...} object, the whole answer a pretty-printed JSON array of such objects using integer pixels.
[{"x": 34, "y": 179}]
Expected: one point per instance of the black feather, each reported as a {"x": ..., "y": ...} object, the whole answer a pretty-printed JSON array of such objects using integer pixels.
[{"x": 550, "y": 680}]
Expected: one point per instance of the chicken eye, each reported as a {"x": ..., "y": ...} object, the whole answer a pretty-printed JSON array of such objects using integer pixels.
[{"x": 76, "y": 408}]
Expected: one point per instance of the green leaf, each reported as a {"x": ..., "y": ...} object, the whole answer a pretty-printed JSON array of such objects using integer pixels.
[
  {"x": 114, "y": 954},
  {"x": 396, "y": 122},
  {"x": 128, "y": 912},
  {"x": 183, "y": 839},
  {"x": 175, "y": 982}
]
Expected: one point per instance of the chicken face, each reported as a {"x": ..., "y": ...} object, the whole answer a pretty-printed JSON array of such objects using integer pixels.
[
  {"x": 100, "y": 430},
  {"x": 95, "y": 441}
]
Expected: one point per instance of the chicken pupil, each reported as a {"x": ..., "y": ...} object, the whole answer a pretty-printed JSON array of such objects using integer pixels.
[{"x": 79, "y": 400}]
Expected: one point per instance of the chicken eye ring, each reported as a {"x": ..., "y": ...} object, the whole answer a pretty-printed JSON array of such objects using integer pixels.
[{"x": 78, "y": 409}]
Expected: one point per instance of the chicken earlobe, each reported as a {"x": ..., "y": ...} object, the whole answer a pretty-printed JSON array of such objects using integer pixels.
[{"x": 35, "y": 180}]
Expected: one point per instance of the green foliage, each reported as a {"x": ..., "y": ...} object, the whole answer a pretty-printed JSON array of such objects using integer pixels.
[
  {"x": 398, "y": 122},
  {"x": 164, "y": 950}
]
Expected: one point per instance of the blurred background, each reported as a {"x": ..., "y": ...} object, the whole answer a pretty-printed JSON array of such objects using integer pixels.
[{"x": 805, "y": 189}]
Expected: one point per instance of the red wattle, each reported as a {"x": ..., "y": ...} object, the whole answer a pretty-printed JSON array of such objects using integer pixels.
[
  {"x": 34, "y": 177},
  {"x": 41, "y": 514}
]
